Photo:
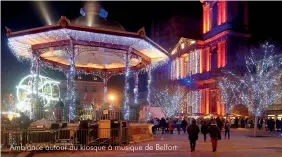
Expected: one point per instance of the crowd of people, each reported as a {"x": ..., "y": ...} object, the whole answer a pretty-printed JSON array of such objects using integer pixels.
[
  {"x": 267, "y": 124},
  {"x": 212, "y": 126}
]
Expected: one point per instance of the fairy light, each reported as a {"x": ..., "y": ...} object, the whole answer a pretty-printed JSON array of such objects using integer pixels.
[
  {"x": 260, "y": 86},
  {"x": 126, "y": 87},
  {"x": 177, "y": 68},
  {"x": 193, "y": 66},
  {"x": 149, "y": 80},
  {"x": 21, "y": 48},
  {"x": 229, "y": 94},
  {"x": 34, "y": 84},
  {"x": 21, "y": 45},
  {"x": 136, "y": 81},
  {"x": 195, "y": 100},
  {"x": 105, "y": 89},
  {"x": 71, "y": 86},
  {"x": 48, "y": 91},
  {"x": 169, "y": 100},
  {"x": 172, "y": 71}
]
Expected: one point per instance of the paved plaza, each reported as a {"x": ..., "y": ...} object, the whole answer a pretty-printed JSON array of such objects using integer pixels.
[{"x": 241, "y": 144}]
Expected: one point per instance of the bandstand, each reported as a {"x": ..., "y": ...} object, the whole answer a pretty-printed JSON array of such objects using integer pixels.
[{"x": 77, "y": 47}]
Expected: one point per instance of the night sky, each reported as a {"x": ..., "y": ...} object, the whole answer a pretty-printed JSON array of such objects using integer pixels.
[{"x": 263, "y": 24}]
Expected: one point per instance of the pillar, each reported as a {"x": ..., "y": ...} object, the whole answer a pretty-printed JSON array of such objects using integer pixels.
[
  {"x": 149, "y": 80},
  {"x": 203, "y": 105},
  {"x": 136, "y": 81},
  {"x": 71, "y": 85},
  {"x": 34, "y": 70},
  {"x": 207, "y": 101},
  {"x": 126, "y": 86},
  {"x": 105, "y": 81}
]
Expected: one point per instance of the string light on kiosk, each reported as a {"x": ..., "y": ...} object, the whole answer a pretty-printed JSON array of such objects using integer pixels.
[{"x": 126, "y": 88}]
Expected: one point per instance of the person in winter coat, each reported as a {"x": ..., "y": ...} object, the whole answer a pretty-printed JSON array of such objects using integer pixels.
[
  {"x": 214, "y": 132},
  {"x": 163, "y": 125},
  {"x": 204, "y": 130},
  {"x": 178, "y": 125},
  {"x": 155, "y": 124},
  {"x": 184, "y": 125},
  {"x": 193, "y": 131},
  {"x": 227, "y": 129},
  {"x": 278, "y": 123},
  {"x": 270, "y": 124},
  {"x": 170, "y": 126}
]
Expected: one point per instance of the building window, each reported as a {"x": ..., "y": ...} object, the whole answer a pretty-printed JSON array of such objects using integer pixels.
[
  {"x": 215, "y": 16},
  {"x": 214, "y": 59},
  {"x": 85, "y": 89},
  {"x": 94, "y": 89}
]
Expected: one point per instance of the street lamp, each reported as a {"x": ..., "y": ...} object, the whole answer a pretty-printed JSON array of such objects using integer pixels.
[{"x": 112, "y": 99}]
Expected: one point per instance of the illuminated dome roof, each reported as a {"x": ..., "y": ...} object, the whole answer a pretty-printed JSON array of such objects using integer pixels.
[{"x": 91, "y": 17}]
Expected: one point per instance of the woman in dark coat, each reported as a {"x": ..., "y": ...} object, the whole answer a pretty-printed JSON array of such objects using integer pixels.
[
  {"x": 193, "y": 131},
  {"x": 204, "y": 130}
]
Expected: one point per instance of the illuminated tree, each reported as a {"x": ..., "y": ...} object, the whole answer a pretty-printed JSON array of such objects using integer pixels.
[
  {"x": 169, "y": 99},
  {"x": 229, "y": 94},
  {"x": 260, "y": 86}
]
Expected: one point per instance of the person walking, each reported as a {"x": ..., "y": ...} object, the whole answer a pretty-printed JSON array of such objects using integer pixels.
[
  {"x": 227, "y": 129},
  {"x": 278, "y": 124},
  {"x": 155, "y": 124},
  {"x": 270, "y": 125},
  {"x": 236, "y": 122},
  {"x": 178, "y": 125},
  {"x": 163, "y": 125},
  {"x": 204, "y": 130},
  {"x": 193, "y": 131},
  {"x": 170, "y": 126},
  {"x": 214, "y": 132},
  {"x": 184, "y": 125}
]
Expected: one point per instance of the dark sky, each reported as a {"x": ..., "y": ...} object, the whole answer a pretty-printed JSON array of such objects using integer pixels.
[{"x": 263, "y": 23}]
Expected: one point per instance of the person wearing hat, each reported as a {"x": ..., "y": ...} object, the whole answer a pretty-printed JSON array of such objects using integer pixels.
[
  {"x": 214, "y": 132},
  {"x": 193, "y": 131}
]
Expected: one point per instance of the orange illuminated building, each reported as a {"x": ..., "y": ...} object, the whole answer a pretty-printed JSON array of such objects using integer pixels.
[{"x": 225, "y": 30}]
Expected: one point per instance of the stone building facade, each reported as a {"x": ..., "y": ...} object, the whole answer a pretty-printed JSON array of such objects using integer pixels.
[{"x": 199, "y": 62}]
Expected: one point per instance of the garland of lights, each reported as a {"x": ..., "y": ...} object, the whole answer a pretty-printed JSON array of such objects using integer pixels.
[
  {"x": 126, "y": 86},
  {"x": 23, "y": 51},
  {"x": 229, "y": 94},
  {"x": 169, "y": 100},
  {"x": 71, "y": 86},
  {"x": 195, "y": 100},
  {"x": 105, "y": 81},
  {"x": 149, "y": 80},
  {"x": 105, "y": 76},
  {"x": 136, "y": 81},
  {"x": 260, "y": 86},
  {"x": 33, "y": 71}
]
